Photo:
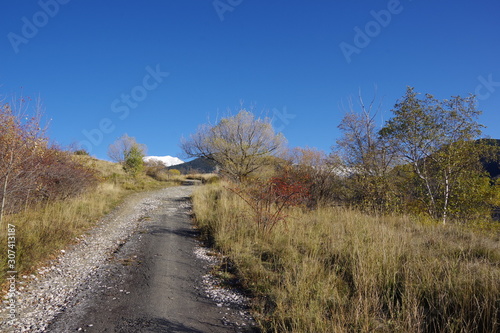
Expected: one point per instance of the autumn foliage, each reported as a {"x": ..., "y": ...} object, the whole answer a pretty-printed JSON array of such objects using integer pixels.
[
  {"x": 269, "y": 199},
  {"x": 31, "y": 170},
  {"x": 290, "y": 187}
]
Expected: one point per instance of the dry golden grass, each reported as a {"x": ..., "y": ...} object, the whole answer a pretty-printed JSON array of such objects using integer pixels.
[
  {"x": 206, "y": 178},
  {"x": 43, "y": 230},
  {"x": 338, "y": 270}
]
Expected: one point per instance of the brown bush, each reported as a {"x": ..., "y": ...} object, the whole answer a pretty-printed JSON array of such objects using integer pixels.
[
  {"x": 156, "y": 170},
  {"x": 30, "y": 170},
  {"x": 318, "y": 173},
  {"x": 63, "y": 176}
]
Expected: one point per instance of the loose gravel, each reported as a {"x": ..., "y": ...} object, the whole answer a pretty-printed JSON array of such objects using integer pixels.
[
  {"x": 226, "y": 298},
  {"x": 42, "y": 296}
]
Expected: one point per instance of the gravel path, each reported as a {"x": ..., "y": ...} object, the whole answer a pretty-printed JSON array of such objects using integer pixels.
[{"x": 140, "y": 270}]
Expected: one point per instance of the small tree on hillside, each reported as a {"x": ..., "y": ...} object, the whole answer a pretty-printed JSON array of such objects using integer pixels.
[
  {"x": 240, "y": 144},
  {"x": 134, "y": 163},
  {"x": 129, "y": 153}
]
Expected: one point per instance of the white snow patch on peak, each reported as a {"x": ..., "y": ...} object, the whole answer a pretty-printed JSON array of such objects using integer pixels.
[{"x": 167, "y": 160}]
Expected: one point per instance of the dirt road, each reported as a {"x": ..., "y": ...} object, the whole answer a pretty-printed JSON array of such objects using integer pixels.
[{"x": 153, "y": 281}]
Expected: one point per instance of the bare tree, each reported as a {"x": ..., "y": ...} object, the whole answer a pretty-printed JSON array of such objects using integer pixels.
[
  {"x": 239, "y": 144},
  {"x": 367, "y": 157},
  {"x": 362, "y": 148},
  {"x": 122, "y": 146}
]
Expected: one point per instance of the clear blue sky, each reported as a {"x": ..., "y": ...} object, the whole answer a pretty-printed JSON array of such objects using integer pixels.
[{"x": 101, "y": 67}]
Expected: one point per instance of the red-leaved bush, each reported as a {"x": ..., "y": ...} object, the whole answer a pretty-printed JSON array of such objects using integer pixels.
[
  {"x": 290, "y": 189},
  {"x": 268, "y": 200}
]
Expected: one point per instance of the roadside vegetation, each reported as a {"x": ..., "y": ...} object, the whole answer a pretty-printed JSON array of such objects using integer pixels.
[
  {"x": 393, "y": 231},
  {"x": 46, "y": 227},
  {"x": 52, "y": 195},
  {"x": 336, "y": 269}
]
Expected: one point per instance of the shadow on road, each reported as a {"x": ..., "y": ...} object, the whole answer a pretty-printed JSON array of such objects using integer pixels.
[
  {"x": 154, "y": 325},
  {"x": 183, "y": 232}
]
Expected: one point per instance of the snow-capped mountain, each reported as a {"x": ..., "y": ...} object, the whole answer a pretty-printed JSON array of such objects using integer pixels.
[{"x": 167, "y": 160}]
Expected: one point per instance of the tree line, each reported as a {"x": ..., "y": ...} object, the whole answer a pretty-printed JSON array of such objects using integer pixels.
[{"x": 428, "y": 159}]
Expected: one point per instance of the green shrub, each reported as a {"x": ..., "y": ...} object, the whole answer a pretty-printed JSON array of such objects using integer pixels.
[
  {"x": 134, "y": 163},
  {"x": 81, "y": 152}
]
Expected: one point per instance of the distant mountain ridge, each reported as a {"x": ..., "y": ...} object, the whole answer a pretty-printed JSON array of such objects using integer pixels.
[{"x": 201, "y": 165}]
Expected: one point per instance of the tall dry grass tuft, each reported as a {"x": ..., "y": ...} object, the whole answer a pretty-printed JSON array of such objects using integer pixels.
[
  {"x": 339, "y": 270},
  {"x": 48, "y": 227}
]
